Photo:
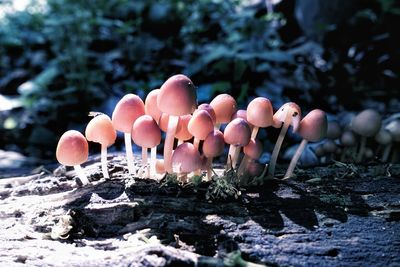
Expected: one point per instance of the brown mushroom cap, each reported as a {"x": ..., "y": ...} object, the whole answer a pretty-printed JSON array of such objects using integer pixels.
[
  {"x": 383, "y": 137},
  {"x": 394, "y": 128},
  {"x": 150, "y": 105},
  {"x": 259, "y": 112},
  {"x": 348, "y": 138},
  {"x": 101, "y": 130},
  {"x": 182, "y": 132},
  {"x": 209, "y": 109},
  {"x": 177, "y": 96},
  {"x": 72, "y": 148},
  {"x": 367, "y": 123},
  {"x": 127, "y": 110},
  {"x": 313, "y": 126},
  {"x": 237, "y": 132},
  {"x": 186, "y": 158},
  {"x": 334, "y": 131},
  {"x": 145, "y": 132},
  {"x": 253, "y": 149},
  {"x": 330, "y": 146},
  {"x": 280, "y": 115},
  {"x": 213, "y": 145},
  {"x": 224, "y": 106},
  {"x": 200, "y": 125}
]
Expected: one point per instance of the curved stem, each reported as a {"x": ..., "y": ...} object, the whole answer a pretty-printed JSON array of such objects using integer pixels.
[
  {"x": 104, "y": 161},
  {"x": 169, "y": 142},
  {"x": 81, "y": 174},
  {"x": 129, "y": 153},
  {"x": 254, "y": 132},
  {"x": 386, "y": 152},
  {"x": 153, "y": 161},
  {"x": 196, "y": 143},
  {"x": 295, "y": 159},
  {"x": 236, "y": 156},
  {"x": 209, "y": 168},
  {"x": 362, "y": 149},
  {"x": 230, "y": 157},
  {"x": 144, "y": 162},
  {"x": 277, "y": 148}
]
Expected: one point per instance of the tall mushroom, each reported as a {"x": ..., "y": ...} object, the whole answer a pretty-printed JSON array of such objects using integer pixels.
[
  {"x": 213, "y": 146},
  {"x": 224, "y": 106},
  {"x": 185, "y": 159},
  {"x": 127, "y": 110},
  {"x": 147, "y": 134},
  {"x": 73, "y": 150},
  {"x": 200, "y": 125},
  {"x": 101, "y": 130},
  {"x": 177, "y": 97},
  {"x": 312, "y": 128},
  {"x": 237, "y": 134}
]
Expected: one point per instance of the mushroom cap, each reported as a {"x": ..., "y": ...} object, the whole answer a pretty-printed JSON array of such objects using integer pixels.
[
  {"x": 313, "y": 126},
  {"x": 334, "y": 130},
  {"x": 224, "y": 106},
  {"x": 209, "y": 109},
  {"x": 101, "y": 130},
  {"x": 330, "y": 146},
  {"x": 150, "y": 105},
  {"x": 214, "y": 144},
  {"x": 237, "y": 132},
  {"x": 289, "y": 109},
  {"x": 348, "y": 138},
  {"x": 145, "y": 132},
  {"x": 319, "y": 150},
  {"x": 201, "y": 124},
  {"x": 182, "y": 132},
  {"x": 384, "y": 137},
  {"x": 177, "y": 96},
  {"x": 127, "y": 110},
  {"x": 240, "y": 113},
  {"x": 72, "y": 148},
  {"x": 163, "y": 122},
  {"x": 367, "y": 123},
  {"x": 253, "y": 149},
  {"x": 259, "y": 112},
  {"x": 394, "y": 128},
  {"x": 186, "y": 158}
]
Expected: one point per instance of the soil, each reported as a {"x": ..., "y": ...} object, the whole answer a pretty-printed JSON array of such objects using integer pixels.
[{"x": 336, "y": 215}]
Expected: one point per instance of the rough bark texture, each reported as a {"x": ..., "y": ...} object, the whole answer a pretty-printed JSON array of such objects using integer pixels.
[{"x": 340, "y": 215}]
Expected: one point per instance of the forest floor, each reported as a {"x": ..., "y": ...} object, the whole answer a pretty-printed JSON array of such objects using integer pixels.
[{"x": 336, "y": 215}]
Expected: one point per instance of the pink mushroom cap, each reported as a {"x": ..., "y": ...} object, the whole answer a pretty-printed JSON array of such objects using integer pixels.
[
  {"x": 145, "y": 132},
  {"x": 127, "y": 110},
  {"x": 186, "y": 158},
  {"x": 237, "y": 132},
  {"x": 260, "y": 112},
  {"x": 101, "y": 130},
  {"x": 72, "y": 148},
  {"x": 313, "y": 126}
]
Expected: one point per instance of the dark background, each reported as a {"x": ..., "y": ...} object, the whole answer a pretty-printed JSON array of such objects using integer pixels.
[{"x": 60, "y": 59}]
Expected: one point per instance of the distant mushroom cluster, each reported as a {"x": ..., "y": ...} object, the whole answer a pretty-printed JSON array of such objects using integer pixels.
[{"x": 193, "y": 136}]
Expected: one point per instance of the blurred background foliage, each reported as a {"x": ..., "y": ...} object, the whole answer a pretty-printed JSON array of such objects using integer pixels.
[{"x": 61, "y": 59}]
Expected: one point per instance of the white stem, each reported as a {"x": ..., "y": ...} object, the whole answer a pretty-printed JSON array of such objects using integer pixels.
[
  {"x": 144, "y": 162},
  {"x": 81, "y": 174},
  {"x": 243, "y": 165},
  {"x": 295, "y": 159},
  {"x": 254, "y": 132},
  {"x": 209, "y": 168},
  {"x": 230, "y": 157},
  {"x": 104, "y": 161},
  {"x": 169, "y": 142},
  {"x": 129, "y": 153},
  {"x": 362, "y": 149},
  {"x": 153, "y": 161},
  {"x": 196, "y": 143},
  {"x": 180, "y": 142},
  {"x": 386, "y": 152},
  {"x": 236, "y": 156}
]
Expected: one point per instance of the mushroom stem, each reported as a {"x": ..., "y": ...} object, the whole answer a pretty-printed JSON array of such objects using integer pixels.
[
  {"x": 196, "y": 143},
  {"x": 81, "y": 174},
  {"x": 104, "y": 161},
  {"x": 230, "y": 157},
  {"x": 153, "y": 161},
  {"x": 144, "y": 161},
  {"x": 235, "y": 156},
  {"x": 386, "y": 152},
  {"x": 180, "y": 142},
  {"x": 129, "y": 153},
  {"x": 245, "y": 160},
  {"x": 277, "y": 148},
  {"x": 362, "y": 149},
  {"x": 217, "y": 126},
  {"x": 209, "y": 168},
  {"x": 254, "y": 132},
  {"x": 169, "y": 142},
  {"x": 295, "y": 159}
]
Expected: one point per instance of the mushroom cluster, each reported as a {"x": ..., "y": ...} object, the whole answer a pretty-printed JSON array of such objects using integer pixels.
[{"x": 192, "y": 133}]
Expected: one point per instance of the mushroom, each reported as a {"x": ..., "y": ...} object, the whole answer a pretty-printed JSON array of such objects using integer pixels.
[
  {"x": 252, "y": 152},
  {"x": 240, "y": 113},
  {"x": 313, "y": 128},
  {"x": 73, "y": 150},
  {"x": 348, "y": 140},
  {"x": 213, "y": 146},
  {"x": 185, "y": 159},
  {"x": 101, "y": 130},
  {"x": 127, "y": 110},
  {"x": 209, "y": 109},
  {"x": 200, "y": 125},
  {"x": 288, "y": 114},
  {"x": 150, "y": 105},
  {"x": 384, "y": 139},
  {"x": 237, "y": 133},
  {"x": 394, "y": 128},
  {"x": 366, "y": 124},
  {"x": 259, "y": 114},
  {"x": 147, "y": 134},
  {"x": 177, "y": 97},
  {"x": 334, "y": 130},
  {"x": 224, "y": 106},
  {"x": 182, "y": 132}
]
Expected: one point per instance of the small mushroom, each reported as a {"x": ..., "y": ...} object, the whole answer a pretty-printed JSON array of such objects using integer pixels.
[
  {"x": 73, "y": 150},
  {"x": 213, "y": 146},
  {"x": 150, "y": 105},
  {"x": 209, "y": 109},
  {"x": 101, "y": 130},
  {"x": 237, "y": 133},
  {"x": 127, "y": 110},
  {"x": 334, "y": 130},
  {"x": 147, "y": 134},
  {"x": 224, "y": 106},
  {"x": 366, "y": 124},
  {"x": 200, "y": 125},
  {"x": 348, "y": 141},
  {"x": 252, "y": 152},
  {"x": 384, "y": 139},
  {"x": 313, "y": 128},
  {"x": 394, "y": 128},
  {"x": 177, "y": 97},
  {"x": 185, "y": 159}
]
